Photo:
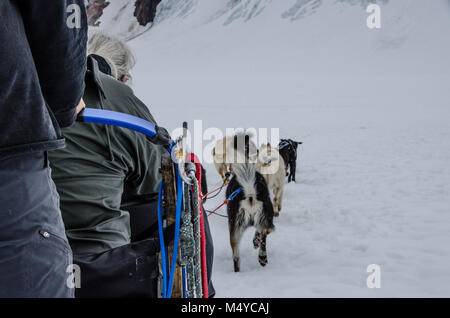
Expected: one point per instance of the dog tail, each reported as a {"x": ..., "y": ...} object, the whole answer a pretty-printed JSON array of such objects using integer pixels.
[{"x": 246, "y": 176}]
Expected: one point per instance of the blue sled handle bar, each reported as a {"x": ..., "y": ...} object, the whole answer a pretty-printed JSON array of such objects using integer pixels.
[
  {"x": 156, "y": 134},
  {"x": 108, "y": 117}
]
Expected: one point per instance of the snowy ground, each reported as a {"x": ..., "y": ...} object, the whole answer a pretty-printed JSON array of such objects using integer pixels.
[{"x": 372, "y": 107}]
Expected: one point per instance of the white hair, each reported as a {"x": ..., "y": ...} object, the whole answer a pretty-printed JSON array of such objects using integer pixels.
[
  {"x": 246, "y": 176},
  {"x": 116, "y": 52}
]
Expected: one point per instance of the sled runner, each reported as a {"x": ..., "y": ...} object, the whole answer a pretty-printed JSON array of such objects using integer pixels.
[{"x": 182, "y": 256}]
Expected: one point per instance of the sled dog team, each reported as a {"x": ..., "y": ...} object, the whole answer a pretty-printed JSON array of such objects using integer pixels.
[{"x": 255, "y": 173}]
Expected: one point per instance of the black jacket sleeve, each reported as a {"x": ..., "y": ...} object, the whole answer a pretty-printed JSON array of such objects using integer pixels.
[{"x": 59, "y": 52}]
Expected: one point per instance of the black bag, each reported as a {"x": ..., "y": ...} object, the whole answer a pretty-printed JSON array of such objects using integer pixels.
[
  {"x": 132, "y": 271},
  {"x": 124, "y": 272}
]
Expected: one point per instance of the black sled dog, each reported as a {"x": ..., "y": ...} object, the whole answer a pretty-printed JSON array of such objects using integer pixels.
[
  {"x": 288, "y": 150},
  {"x": 249, "y": 205}
]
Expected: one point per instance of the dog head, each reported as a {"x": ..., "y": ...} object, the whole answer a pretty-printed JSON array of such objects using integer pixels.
[{"x": 296, "y": 143}]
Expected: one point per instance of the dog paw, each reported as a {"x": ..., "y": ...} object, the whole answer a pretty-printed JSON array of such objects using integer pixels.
[
  {"x": 263, "y": 260},
  {"x": 276, "y": 214},
  {"x": 268, "y": 231},
  {"x": 256, "y": 242}
]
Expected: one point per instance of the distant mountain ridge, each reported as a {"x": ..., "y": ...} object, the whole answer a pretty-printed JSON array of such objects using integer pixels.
[{"x": 130, "y": 18}]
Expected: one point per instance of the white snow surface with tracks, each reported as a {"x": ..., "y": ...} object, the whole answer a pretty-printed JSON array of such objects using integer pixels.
[{"x": 372, "y": 108}]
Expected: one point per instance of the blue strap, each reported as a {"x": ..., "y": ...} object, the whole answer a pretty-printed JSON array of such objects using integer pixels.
[
  {"x": 108, "y": 117},
  {"x": 168, "y": 284},
  {"x": 161, "y": 241},
  {"x": 234, "y": 194},
  {"x": 284, "y": 144}
]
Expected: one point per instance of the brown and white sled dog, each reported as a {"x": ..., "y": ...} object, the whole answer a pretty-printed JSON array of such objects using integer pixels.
[
  {"x": 271, "y": 166},
  {"x": 250, "y": 207},
  {"x": 233, "y": 149}
]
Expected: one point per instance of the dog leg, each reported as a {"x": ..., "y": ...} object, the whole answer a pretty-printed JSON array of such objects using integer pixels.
[
  {"x": 280, "y": 198},
  {"x": 257, "y": 240},
  {"x": 262, "y": 257},
  {"x": 223, "y": 169},
  {"x": 275, "y": 207},
  {"x": 235, "y": 239},
  {"x": 293, "y": 169},
  {"x": 290, "y": 172},
  {"x": 276, "y": 202}
]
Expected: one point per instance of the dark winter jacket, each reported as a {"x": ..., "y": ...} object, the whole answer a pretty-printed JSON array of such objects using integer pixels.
[{"x": 42, "y": 68}]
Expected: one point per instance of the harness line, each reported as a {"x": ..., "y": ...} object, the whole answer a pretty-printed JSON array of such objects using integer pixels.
[
  {"x": 209, "y": 193},
  {"x": 230, "y": 198}
]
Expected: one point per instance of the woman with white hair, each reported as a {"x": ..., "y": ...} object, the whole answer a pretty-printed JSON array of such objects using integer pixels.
[
  {"x": 103, "y": 169},
  {"x": 114, "y": 52}
]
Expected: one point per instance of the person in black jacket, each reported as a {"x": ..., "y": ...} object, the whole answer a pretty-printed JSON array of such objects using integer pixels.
[{"x": 42, "y": 69}]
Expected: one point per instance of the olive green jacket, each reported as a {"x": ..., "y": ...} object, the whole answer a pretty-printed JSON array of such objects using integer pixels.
[{"x": 98, "y": 163}]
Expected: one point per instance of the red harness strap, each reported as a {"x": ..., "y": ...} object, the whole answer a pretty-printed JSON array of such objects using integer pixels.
[
  {"x": 193, "y": 158},
  {"x": 215, "y": 190},
  {"x": 218, "y": 208}
]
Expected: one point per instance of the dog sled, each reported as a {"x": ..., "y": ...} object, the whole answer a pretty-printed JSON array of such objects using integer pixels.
[{"x": 179, "y": 244}]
